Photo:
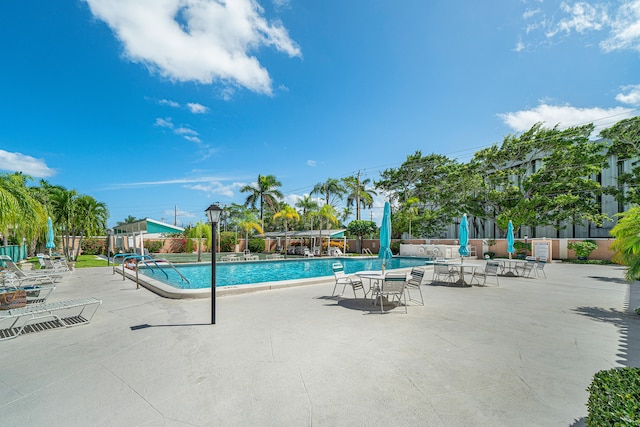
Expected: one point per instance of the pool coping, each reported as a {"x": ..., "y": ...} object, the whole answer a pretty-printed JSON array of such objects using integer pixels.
[{"x": 169, "y": 291}]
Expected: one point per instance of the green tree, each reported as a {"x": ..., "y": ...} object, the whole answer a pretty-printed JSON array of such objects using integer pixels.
[
  {"x": 200, "y": 231},
  {"x": 332, "y": 190},
  {"x": 21, "y": 214},
  {"x": 288, "y": 216},
  {"x": 308, "y": 205},
  {"x": 410, "y": 209},
  {"x": 361, "y": 228},
  {"x": 263, "y": 191},
  {"x": 627, "y": 242},
  {"x": 357, "y": 193},
  {"x": 248, "y": 224},
  {"x": 625, "y": 146},
  {"x": 543, "y": 177},
  {"x": 327, "y": 213},
  {"x": 91, "y": 218}
]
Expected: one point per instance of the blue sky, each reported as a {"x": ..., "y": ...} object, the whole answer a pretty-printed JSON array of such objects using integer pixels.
[{"x": 152, "y": 106}]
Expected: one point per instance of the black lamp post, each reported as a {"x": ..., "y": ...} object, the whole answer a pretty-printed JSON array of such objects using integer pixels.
[{"x": 213, "y": 214}]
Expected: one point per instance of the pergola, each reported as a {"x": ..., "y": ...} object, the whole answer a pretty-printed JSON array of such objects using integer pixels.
[{"x": 134, "y": 232}]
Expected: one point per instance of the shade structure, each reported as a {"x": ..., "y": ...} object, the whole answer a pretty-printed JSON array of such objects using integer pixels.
[
  {"x": 385, "y": 236},
  {"x": 510, "y": 249},
  {"x": 464, "y": 236},
  {"x": 50, "y": 237}
]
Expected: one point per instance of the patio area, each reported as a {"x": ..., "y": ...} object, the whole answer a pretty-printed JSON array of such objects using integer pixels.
[{"x": 522, "y": 353}]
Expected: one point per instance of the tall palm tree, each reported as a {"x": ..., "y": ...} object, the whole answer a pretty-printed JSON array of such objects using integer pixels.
[
  {"x": 249, "y": 223},
  {"x": 331, "y": 189},
  {"x": 346, "y": 213},
  {"x": 288, "y": 215},
  {"x": 411, "y": 210},
  {"x": 328, "y": 213},
  {"x": 263, "y": 191},
  {"x": 358, "y": 193},
  {"x": 307, "y": 204}
]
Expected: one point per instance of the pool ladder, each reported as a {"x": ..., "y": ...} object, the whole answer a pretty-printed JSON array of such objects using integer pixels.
[{"x": 145, "y": 259}]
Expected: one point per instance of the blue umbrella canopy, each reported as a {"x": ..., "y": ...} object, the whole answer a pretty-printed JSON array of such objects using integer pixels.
[
  {"x": 385, "y": 235},
  {"x": 50, "y": 238},
  {"x": 464, "y": 236},
  {"x": 510, "y": 249}
]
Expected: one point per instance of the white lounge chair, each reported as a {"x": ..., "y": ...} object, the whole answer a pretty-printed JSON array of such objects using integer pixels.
[
  {"x": 36, "y": 294},
  {"x": 31, "y": 317},
  {"x": 14, "y": 275}
]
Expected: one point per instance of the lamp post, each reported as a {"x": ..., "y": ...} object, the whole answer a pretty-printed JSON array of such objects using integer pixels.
[
  {"x": 213, "y": 214},
  {"x": 526, "y": 248}
]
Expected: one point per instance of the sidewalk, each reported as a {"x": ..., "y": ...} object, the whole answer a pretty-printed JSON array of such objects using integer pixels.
[{"x": 522, "y": 353}]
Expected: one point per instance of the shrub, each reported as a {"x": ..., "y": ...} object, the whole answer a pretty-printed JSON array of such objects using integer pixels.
[
  {"x": 228, "y": 241},
  {"x": 256, "y": 245},
  {"x": 190, "y": 245},
  {"x": 153, "y": 246},
  {"x": 395, "y": 247},
  {"x": 94, "y": 246},
  {"x": 614, "y": 398},
  {"x": 583, "y": 249},
  {"x": 491, "y": 254},
  {"x": 178, "y": 245}
]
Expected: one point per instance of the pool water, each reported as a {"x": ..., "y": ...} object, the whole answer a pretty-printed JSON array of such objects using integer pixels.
[{"x": 242, "y": 273}]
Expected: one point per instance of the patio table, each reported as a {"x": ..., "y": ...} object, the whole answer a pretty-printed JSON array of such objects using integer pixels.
[
  {"x": 462, "y": 266},
  {"x": 510, "y": 266},
  {"x": 372, "y": 276}
]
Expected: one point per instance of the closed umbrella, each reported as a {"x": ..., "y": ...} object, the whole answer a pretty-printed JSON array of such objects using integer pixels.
[
  {"x": 385, "y": 236},
  {"x": 50, "y": 238},
  {"x": 510, "y": 249},
  {"x": 464, "y": 238}
]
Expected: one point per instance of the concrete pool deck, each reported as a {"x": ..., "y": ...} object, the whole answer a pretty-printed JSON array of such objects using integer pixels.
[{"x": 522, "y": 353}]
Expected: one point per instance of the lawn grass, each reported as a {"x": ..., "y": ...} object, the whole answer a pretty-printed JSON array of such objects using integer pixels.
[{"x": 85, "y": 261}]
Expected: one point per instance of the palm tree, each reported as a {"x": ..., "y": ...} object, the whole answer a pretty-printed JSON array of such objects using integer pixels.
[
  {"x": 346, "y": 213},
  {"x": 288, "y": 215},
  {"x": 331, "y": 189},
  {"x": 249, "y": 223},
  {"x": 91, "y": 217},
  {"x": 308, "y": 205},
  {"x": 328, "y": 213},
  {"x": 20, "y": 210},
  {"x": 263, "y": 191},
  {"x": 358, "y": 193},
  {"x": 200, "y": 231},
  {"x": 411, "y": 210}
]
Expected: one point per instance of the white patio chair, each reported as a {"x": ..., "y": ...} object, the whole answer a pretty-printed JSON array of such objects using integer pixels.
[
  {"x": 414, "y": 282},
  {"x": 393, "y": 287},
  {"x": 443, "y": 270},
  {"x": 343, "y": 279},
  {"x": 491, "y": 269},
  {"x": 540, "y": 267}
]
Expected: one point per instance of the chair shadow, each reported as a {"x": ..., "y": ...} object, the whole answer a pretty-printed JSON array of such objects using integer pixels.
[
  {"x": 360, "y": 304},
  {"x": 609, "y": 279}
]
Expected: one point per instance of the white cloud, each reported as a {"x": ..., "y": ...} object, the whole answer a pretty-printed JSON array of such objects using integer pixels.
[
  {"x": 582, "y": 17},
  {"x": 185, "y": 131},
  {"x": 169, "y": 103},
  {"x": 192, "y": 138},
  {"x": 564, "y": 116},
  {"x": 197, "y": 108},
  {"x": 164, "y": 123},
  {"x": 625, "y": 28},
  {"x": 217, "y": 187},
  {"x": 18, "y": 162},
  {"x": 205, "y": 41},
  {"x": 631, "y": 97},
  {"x": 311, "y": 163}
]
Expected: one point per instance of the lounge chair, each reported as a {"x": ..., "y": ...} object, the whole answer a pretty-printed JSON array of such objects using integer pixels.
[
  {"x": 36, "y": 294},
  {"x": 345, "y": 280},
  {"x": 307, "y": 252},
  {"x": 491, "y": 269},
  {"x": 31, "y": 317},
  {"x": 14, "y": 275},
  {"x": 393, "y": 287},
  {"x": 414, "y": 282}
]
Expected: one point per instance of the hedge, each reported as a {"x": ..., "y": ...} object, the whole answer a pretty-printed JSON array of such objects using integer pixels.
[{"x": 614, "y": 398}]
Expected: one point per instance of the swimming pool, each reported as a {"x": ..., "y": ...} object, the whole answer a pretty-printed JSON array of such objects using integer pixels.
[{"x": 240, "y": 273}]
